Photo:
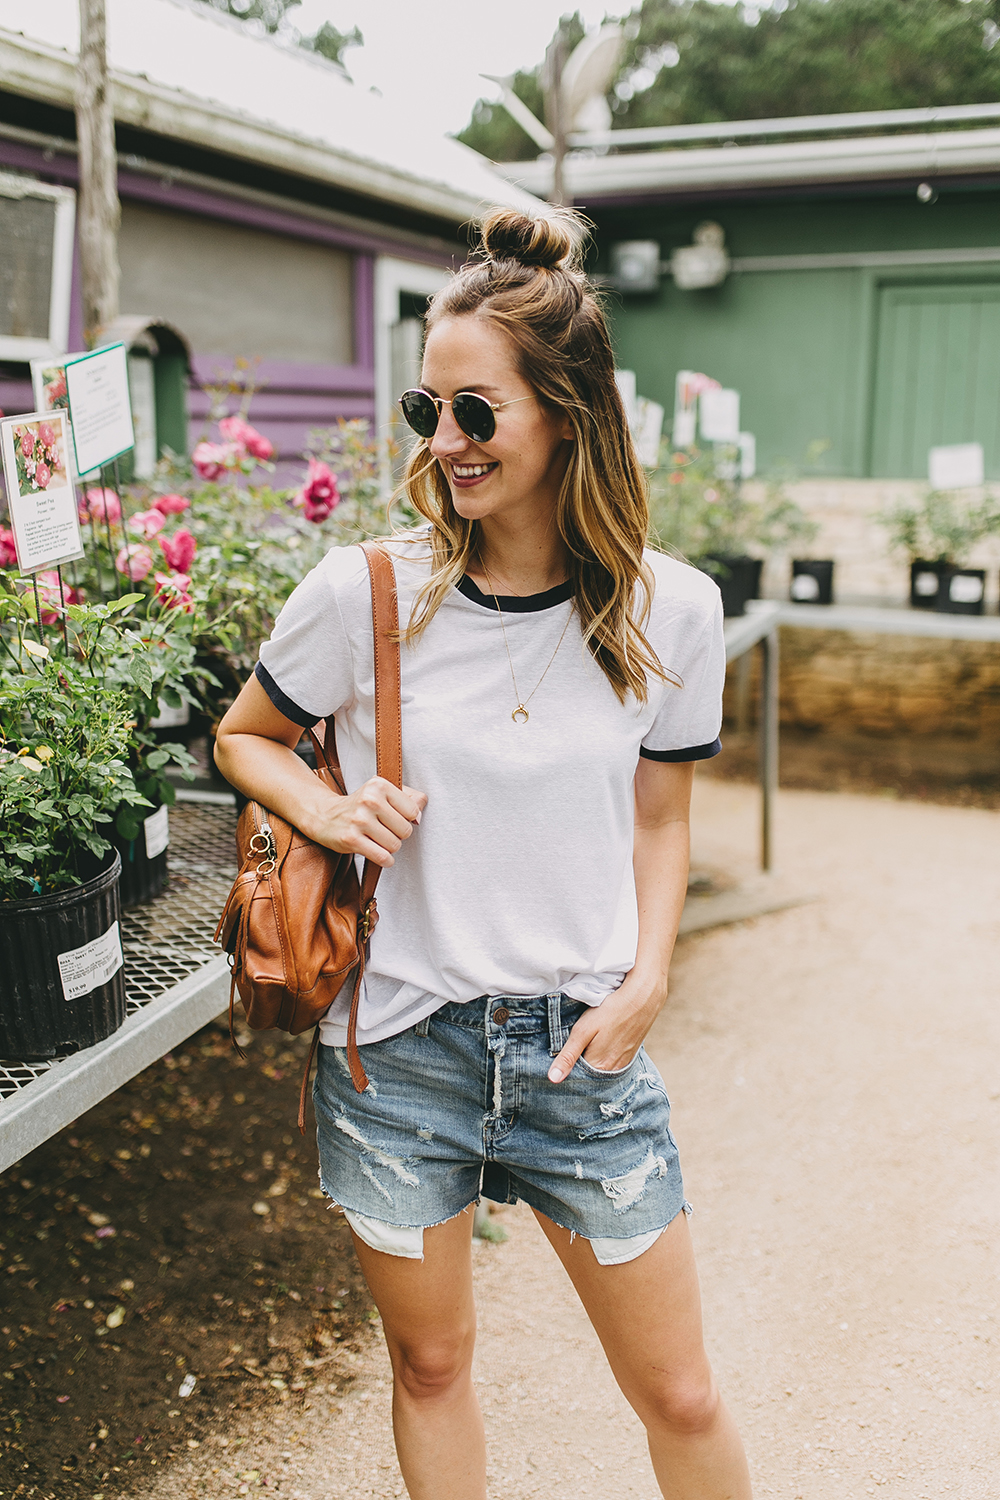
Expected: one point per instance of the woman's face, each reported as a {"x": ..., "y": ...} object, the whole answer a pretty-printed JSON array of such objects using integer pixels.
[{"x": 521, "y": 467}]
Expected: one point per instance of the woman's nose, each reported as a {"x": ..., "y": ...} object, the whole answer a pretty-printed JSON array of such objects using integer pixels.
[{"x": 448, "y": 437}]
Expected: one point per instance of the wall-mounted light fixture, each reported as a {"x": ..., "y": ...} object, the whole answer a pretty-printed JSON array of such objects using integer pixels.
[{"x": 636, "y": 266}]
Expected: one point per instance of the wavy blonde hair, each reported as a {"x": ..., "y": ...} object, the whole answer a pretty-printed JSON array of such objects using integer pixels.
[{"x": 527, "y": 279}]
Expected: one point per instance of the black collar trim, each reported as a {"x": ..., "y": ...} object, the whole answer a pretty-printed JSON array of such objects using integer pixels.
[{"x": 516, "y": 604}]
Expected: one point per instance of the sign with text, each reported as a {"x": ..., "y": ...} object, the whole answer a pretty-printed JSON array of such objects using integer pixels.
[
  {"x": 956, "y": 466},
  {"x": 97, "y": 387},
  {"x": 40, "y": 495}
]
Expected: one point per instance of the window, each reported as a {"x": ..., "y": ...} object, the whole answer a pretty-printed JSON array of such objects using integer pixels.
[
  {"x": 36, "y": 267},
  {"x": 235, "y": 290}
]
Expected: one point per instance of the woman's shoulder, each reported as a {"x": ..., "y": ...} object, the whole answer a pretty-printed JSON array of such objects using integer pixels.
[
  {"x": 345, "y": 569},
  {"x": 681, "y": 588}
]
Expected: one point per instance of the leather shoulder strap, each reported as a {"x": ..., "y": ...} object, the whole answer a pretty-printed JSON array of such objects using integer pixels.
[{"x": 385, "y": 628}]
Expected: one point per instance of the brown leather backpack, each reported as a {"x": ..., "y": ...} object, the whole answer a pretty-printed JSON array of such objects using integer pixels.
[{"x": 298, "y": 920}]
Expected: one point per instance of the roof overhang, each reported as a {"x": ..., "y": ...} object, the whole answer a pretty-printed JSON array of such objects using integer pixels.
[
  {"x": 664, "y": 174},
  {"x": 38, "y": 71}
]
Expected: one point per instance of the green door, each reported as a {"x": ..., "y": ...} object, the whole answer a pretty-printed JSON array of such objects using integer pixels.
[{"x": 937, "y": 375}]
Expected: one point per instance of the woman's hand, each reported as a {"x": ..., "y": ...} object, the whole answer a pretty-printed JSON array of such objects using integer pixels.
[
  {"x": 254, "y": 748},
  {"x": 609, "y": 1035},
  {"x": 372, "y": 822}
]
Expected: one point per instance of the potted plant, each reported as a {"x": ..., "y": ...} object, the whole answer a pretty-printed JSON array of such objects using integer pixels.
[
  {"x": 701, "y": 512},
  {"x": 937, "y": 532},
  {"x": 812, "y": 580},
  {"x": 65, "y": 740}
]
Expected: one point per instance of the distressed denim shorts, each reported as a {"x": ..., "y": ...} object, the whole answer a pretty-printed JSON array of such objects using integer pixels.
[{"x": 461, "y": 1104}]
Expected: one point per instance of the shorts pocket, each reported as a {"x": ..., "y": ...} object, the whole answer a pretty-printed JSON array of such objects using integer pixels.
[{"x": 608, "y": 1072}]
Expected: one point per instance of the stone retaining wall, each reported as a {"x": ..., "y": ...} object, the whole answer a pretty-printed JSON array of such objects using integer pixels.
[{"x": 846, "y": 681}]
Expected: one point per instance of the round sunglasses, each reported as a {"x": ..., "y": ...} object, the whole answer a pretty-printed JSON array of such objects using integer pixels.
[{"x": 473, "y": 414}]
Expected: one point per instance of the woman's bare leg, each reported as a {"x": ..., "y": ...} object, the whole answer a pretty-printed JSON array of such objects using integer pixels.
[
  {"x": 429, "y": 1319},
  {"x": 647, "y": 1315}
]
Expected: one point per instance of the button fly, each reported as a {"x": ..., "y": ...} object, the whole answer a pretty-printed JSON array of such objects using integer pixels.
[{"x": 501, "y": 1014}]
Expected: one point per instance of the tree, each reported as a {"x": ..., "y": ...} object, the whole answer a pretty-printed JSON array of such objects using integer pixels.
[
  {"x": 331, "y": 43},
  {"x": 694, "y": 61},
  {"x": 271, "y": 18},
  {"x": 267, "y": 15}
]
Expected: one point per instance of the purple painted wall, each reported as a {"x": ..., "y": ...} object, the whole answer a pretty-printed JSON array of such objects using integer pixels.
[{"x": 291, "y": 399}]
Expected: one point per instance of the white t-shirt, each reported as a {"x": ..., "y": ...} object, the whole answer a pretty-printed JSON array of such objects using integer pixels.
[{"x": 518, "y": 879}]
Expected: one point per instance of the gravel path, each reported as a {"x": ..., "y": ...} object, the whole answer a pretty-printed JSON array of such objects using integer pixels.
[{"x": 836, "y": 1094}]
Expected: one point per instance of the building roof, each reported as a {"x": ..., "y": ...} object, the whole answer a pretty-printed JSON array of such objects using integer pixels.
[
  {"x": 182, "y": 70},
  {"x": 827, "y": 157}
]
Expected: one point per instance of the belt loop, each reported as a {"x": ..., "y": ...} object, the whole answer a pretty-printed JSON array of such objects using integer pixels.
[
  {"x": 422, "y": 1026},
  {"x": 557, "y": 1032}
]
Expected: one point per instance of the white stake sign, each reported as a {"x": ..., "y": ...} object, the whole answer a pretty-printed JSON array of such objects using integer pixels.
[
  {"x": 97, "y": 386},
  {"x": 40, "y": 495}
]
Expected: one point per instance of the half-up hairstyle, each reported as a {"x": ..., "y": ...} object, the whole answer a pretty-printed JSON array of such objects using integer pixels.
[{"x": 526, "y": 277}]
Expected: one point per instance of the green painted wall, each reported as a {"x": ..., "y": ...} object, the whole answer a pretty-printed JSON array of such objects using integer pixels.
[{"x": 810, "y": 350}]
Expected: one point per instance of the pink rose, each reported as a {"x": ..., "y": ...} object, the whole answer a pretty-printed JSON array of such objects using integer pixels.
[
  {"x": 147, "y": 523},
  {"x": 27, "y": 442},
  {"x": 179, "y": 549},
  {"x": 237, "y": 430},
  {"x": 104, "y": 505},
  {"x": 48, "y": 593},
  {"x": 171, "y": 505},
  {"x": 214, "y": 460},
  {"x": 46, "y": 434},
  {"x": 172, "y": 589},
  {"x": 42, "y": 476},
  {"x": 136, "y": 560},
  {"x": 319, "y": 495},
  {"x": 8, "y": 552}
]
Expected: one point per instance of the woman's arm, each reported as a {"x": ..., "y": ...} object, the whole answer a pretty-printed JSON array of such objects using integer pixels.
[
  {"x": 611, "y": 1033},
  {"x": 255, "y": 750}
]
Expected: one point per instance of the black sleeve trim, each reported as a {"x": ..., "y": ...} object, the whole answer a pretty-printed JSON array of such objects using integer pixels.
[
  {"x": 282, "y": 704},
  {"x": 694, "y": 752}
]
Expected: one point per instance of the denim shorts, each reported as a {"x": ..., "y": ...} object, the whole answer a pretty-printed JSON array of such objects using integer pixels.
[{"x": 461, "y": 1104}]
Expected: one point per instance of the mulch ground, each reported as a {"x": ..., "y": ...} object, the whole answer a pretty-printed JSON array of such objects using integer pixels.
[{"x": 166, "y": 1262}]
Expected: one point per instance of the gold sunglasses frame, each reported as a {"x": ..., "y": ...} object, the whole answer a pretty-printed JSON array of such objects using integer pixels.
[{"x": 440, "y": 401}]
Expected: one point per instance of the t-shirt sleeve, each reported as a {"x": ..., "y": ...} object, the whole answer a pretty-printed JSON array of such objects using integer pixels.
[
  {"x": 689, "y": 719},
  {"x": 306, "y": 668}
]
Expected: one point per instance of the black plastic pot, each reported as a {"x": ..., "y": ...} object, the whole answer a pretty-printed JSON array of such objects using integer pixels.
[
  {"x": 47, "y": 1010},
  {"x": 144, "y": 875},
  {"x": 962, "y": 592},
  {"x": 925, "y": 582},
  {"x": 812, "y": 580},
  {"x": 738, "y": 579}
]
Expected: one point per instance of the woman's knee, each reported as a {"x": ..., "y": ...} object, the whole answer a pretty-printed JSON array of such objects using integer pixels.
[
  {"x": 429, "y": 1369},
  {"x": 686, "y": 1406}
]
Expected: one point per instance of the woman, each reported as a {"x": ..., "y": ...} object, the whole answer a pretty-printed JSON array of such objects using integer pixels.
[{"x": 557, "y": 686}]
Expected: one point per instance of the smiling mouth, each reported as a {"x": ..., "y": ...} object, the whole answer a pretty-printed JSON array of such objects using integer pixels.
[{"x": 472, "y": 471}]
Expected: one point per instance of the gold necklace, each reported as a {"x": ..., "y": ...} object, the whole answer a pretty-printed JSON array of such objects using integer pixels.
[{"x": 520, "y": 714}]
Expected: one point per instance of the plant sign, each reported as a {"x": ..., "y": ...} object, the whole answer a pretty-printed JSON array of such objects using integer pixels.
[
  {"x": 40, "y": 495},
  {"x": 97, "y": 387}
]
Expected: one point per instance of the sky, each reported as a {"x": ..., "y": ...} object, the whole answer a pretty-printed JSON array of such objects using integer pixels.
[{"x": 428, "y": 54}]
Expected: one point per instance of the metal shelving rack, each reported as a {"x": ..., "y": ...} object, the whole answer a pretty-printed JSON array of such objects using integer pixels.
[{"x": 175, "y": 977}]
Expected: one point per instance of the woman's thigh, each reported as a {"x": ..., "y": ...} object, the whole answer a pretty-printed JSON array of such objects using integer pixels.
[
  {"x": 427, "y": 1307},
  {"x": 647, "y": 1315}
]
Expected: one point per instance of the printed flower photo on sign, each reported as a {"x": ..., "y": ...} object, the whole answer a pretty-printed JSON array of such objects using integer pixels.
[
  {"x": 38, "y": 453},
  {"x": 54, "y": 397}
]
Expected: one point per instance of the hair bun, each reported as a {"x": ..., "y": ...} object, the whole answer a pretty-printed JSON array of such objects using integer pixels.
[{"x": 553, "y": 241}]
